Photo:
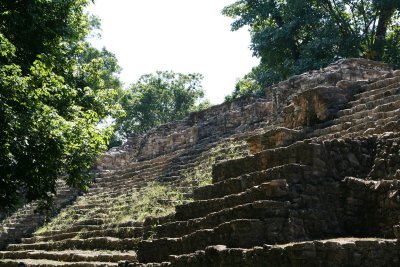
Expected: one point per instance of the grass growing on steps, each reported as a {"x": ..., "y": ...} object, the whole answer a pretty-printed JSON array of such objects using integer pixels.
[
  {"x": 105, "y": 207},
  {"x": 201, "y": 174},
  {"x": 155, "y": 200}
]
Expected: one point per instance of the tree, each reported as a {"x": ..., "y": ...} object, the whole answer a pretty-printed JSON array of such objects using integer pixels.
[
  {"x": 159, "y": 98},
  {"x": 294, "y": 36},
  {"x": 55, "y": 89},
  {"x": 245, "y": 86}
]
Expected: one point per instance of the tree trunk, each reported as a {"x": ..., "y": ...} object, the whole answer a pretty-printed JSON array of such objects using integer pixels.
[{"x": 380, "y": 37}]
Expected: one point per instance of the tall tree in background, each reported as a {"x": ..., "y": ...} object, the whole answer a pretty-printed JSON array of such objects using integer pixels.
[
  {"x": 55, "y": 89},
  {"x": 159, "y": 98},
  {"x": 294, "y": 36}
]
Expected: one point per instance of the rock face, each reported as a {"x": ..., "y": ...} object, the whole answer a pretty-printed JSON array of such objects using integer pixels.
[
  {"x": 213, "y": 123},
  {"x": 303, "y": 100},
  {"x": 315, "y": 182}
]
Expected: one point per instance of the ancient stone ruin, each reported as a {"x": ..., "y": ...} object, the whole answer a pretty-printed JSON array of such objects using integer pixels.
[{"x": 307, "y": 175}]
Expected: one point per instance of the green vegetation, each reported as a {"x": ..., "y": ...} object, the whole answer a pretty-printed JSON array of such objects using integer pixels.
[
  {"x": 201, "y": 173},
  {"x": 154, "y": 200},
  {"x": 159, "y": 98},
  {"x": 56, "y": 92},
  {"x": 295, "y": 36},
  {"x": 55, "y": 89}
]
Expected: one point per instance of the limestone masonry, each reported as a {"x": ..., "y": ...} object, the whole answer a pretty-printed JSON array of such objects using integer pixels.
[{"x": 307, "y": 175}]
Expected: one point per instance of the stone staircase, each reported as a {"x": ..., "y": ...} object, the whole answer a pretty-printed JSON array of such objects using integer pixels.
[
  {"x": 26, "y": 219},
  {"x": 297, "y": 186},
  {"x": 286, "y": 195},
  {"x": 86, "y": 232},
  {"x": 373, "y": 111},
  {"x": 95, "y": 229},
  {"x": 272, "y": 196}
]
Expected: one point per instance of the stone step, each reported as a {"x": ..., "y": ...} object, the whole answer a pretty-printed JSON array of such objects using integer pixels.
[
  {"x": 378, "y": 119},
  {"x": 105, "y": 203},
  {"x": 127, "y": 172},
  {"x": 63, "y": 192},
  {"x": 136, "y": 178},
  {"x": 50, "y": 263},
  {"x": 190, "y": 157},
  {"x": 371, "y": 103},
  {"x": 83, "y": 227},
  {"x": 204, "y": 153},
  {"x": 276, "y": 137},
  {"x": 379, "y": 94},
  {"x": 22, "y": 212},
  {"x": 113, "y": 184},
  {"x": 121, "y": 232},
  {"x": 174, "y": 175},
  {"x": 139, "y": 178},
  {"x": 90, "y": 228},
  {"x": 350, "y": 252},
  {"x": 376, "y": 124},
  {"x": 246, "y": 181},
  {"x": 79, "y": 224},
  {"x": 140, "y": 165},
  {"x": 256, "y": 210},
  {"x": 243, "y": 233},
  {"x": 390, "y": 103},
  {"x": 26, "y": 220},
  {"x": 92, "y": 221},
  {"x": 367, "y": 127},
  {"x": 361, "y": 124},
  {"x": 273, "y": 190},
  {"x": 109, "y": 194},
  {"x": 23, "y": 218},
  {"x": 193, "y": 160},
  {"x": 302, "y": 152},
  {"x": 372, "y": 88},
  {"x": 95, "y": 243},
  {"x": 70, "y": 255},
  {"x": 71, "y": 229},
  {"x": 100, "y": 215}
]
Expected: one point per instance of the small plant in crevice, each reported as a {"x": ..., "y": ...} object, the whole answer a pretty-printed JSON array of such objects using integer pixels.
[{"x": 151, "y": 233}]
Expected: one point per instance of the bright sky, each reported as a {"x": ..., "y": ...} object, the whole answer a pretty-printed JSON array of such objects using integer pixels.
[{"x": 179, "y": 35}]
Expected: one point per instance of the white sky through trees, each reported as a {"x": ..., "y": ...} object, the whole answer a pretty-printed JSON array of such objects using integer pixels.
[{"x": 179, "y": 35}]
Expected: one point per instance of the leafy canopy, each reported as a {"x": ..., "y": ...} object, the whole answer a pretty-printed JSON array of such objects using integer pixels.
[
  {"x": 159, "y": 98},
  {"x": 294, "y": 36},
  {"x": 55, "y": 89}
]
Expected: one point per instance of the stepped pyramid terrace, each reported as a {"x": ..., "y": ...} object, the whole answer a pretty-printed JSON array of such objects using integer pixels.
[{"x": 306, "y": 175}]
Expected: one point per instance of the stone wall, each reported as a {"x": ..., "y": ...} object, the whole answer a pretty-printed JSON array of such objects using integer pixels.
[
  {"x": 215, "y": 122},
  {"x": 302, "y": 100},
  {"x": 387, "y": 161},
  {"x": 276, "y": 137},
  {"x": 370, "y": 208},
  {"x": 336, "y": 158},
  {"x": 349, "y": 252},
  {"x": 340, "y": 74},
  {"x": 317, "y": 105}
]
